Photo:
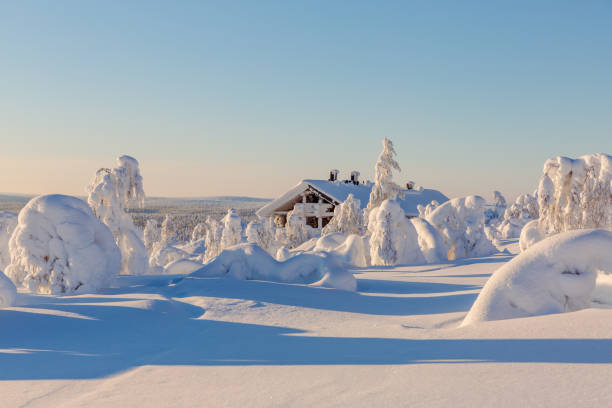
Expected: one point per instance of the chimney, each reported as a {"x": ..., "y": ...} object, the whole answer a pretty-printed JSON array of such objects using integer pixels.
[
  {"x": 333, "y": 175},
  {"x": 410, "y": 185},
  {"x": 355, "y": 177}
]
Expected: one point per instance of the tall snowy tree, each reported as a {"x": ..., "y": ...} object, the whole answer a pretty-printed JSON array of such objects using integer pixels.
[
  {"x": 152, "y": 235},
  {"x": 384, "y": 188},
  {"x": 576, "y": 193},
  {"x": 262, "y": 232},
  {"x": 213, "y": 239},
  {"x": 347, "y": 219},
  {"x": 111, "y": 192},
  {"x": 232, "y": 229}
]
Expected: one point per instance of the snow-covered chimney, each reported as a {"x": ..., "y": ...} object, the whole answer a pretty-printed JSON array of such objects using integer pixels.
[
  {"x": 355, "y": 177},
  {"x": 410, "y": 185},
  {"x": 333, "y": 175}
]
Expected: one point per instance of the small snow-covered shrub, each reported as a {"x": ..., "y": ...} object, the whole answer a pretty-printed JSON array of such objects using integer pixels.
[
  {"x": 558, "y": 274},
  {"x": 460, "y": 222},
  {"x": 250, "y": 262},
  {"x": 576, "y": 193},
  {"x": 424, "y": 211},
  {"x": 384, "y": 188},
  {"x": 347, "y": 219},
  {"x": 8, "y": 291},
  {"x": 213, "y": 239},
  {"x": 530, "y": 234},
  {"x": 8, "y": 222},
  {"x": 524, "y": 209},
  {"x": 111, "y": 192},
  {"x": 152, "y": 235},
  {"x": 59, "y": 246},
  {"x": 393, "y": 238},
  {"x": 296, "y": 231}
]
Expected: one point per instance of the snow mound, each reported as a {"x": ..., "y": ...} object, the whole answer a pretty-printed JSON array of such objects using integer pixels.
[
  {"x": 460, "y": 222},
  {"x": 530, "y": 234},
  {"x": 8, "y": 222},
  {"x": 60, "y": 246},
  {"x": 8, "y": 292},
  {"x": 250, "y": 262},
  {"x": 557, "y": 274},
  {"x": 182, "y": 266}
]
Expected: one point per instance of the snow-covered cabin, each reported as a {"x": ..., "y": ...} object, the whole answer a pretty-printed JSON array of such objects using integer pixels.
[{"x": 316, "y": 199}]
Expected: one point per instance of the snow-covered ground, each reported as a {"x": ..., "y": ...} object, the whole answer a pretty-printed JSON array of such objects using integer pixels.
[{"x": 186, "y": 341}]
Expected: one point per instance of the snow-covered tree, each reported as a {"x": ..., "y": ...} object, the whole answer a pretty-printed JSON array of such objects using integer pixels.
[
  {"x": 460, "y": 221},
  {"x": 8, "y": 291},
  {"x": 152, "y": 235},
  {"x": 8, "y": 222},
  {"x": 111, "y": 192},
  {"x": 232, "y": 229},
  {"x": 199, "y": 232},
  {"x": 263, "y": 232},
  {"x": 296, "y": 231},
  {"x": 168, "y": 231},
  {"x": 59, "y": 246},
  {"x": 384, "y": 188},
  {"x": 393, "y": 238},
  {"x": 347, "y": 219},
  {"x": 213, "y": 239},
  {"x": 576, "y": 193},
  {"x": 523, "y": 210}
]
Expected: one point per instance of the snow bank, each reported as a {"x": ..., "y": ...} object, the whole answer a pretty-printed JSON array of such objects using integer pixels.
[
  {"x": 393, "y": 239},
  {"x": 557, "y": 274},
  {"x": 8, "y": 291},
  {"x": 250, "y": 262},
  {"x": 59, "y": 246},
  {"x": 576, "y": 193},
  {"x": 460, "y": 222},
  {"x": 8, "y": 222}
]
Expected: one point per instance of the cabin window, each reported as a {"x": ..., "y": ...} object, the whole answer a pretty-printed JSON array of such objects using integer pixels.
[{"x": 312, "y": 221}]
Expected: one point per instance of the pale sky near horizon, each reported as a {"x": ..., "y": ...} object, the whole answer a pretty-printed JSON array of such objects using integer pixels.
[{"x": 248, "y": 97}]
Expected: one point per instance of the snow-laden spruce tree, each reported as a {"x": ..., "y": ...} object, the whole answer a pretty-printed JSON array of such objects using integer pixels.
[
  {"x": 59, "y": 246},
  {"x": 576, "y": 193},
  {"x": 232, "y": 229},
  {"x": 263, "y": 232},
  {"x": 111, "y": 192},
  {"x": 168, "y": 232},
  {"x": 8, "y": 222},
  {"x": 296, "y": 231},
  {"x": 524, "y": 209},
  {"x": 152, "y": 235},
  {"x": 213, "y": 239},
  {"x": 199, "y": 232},
  {"x": 460, "y": 222},
  {"x": 384, "y": 188},
  {"x": 347, "y": 219},
  {"x": 393, "y": 238}
]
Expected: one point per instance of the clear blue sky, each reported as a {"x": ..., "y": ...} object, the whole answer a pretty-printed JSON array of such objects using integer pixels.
[{"x": 247, "y": 98}]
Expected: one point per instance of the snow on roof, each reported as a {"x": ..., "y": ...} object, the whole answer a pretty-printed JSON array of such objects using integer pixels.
[{"x": 339, "y": 191}]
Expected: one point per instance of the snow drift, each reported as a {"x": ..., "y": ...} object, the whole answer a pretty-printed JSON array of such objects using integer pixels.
[
  {"x": 557, "y": 274},
  {"x": 460, "y": 222},
  {"x": 250, "y": 262},
  {"x": 60, "y": 246}
]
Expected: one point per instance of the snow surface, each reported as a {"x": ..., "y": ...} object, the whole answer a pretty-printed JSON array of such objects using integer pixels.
[
  {"x": 189, "y": 342},
  {"x": 556, "y": 275},
  {"x": 59, "y": 246}
]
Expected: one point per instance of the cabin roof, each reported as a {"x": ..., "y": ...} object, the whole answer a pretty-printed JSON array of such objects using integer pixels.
[{"x": 339, "y": 191}]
